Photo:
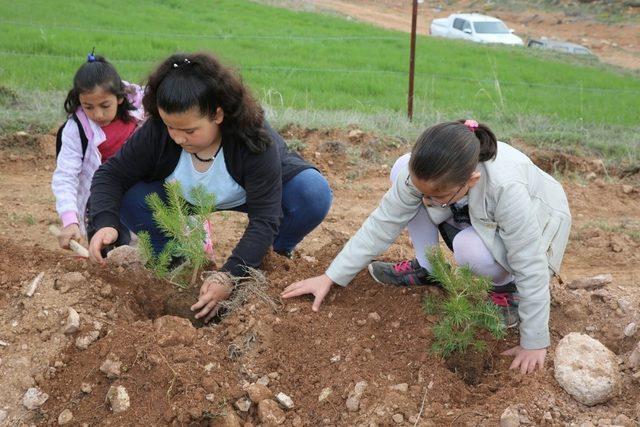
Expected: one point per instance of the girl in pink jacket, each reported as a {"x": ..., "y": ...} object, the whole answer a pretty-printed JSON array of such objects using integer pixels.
[{"x": 105, "y": 111}]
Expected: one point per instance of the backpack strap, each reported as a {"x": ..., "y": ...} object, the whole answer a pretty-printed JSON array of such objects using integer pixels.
[{"x": 83, "y": 136}]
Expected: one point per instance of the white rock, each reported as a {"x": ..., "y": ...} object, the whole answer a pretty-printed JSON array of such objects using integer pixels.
[
  {"x": 586, "y": 369},
  {"x": 335, "y": 358},
  {"x": 402, "y": 388},
  {"x": 209, "y": 367},
  {"x": 84, "y": 341},
  {"x": 73, "y": 322},
  {"x": 65, "y": 417},
  {"x": 34, "y": 398},
  {"x": 124, "y": 255},
  {"x": 398, "y": 418},
  {"x": 118, "y": 399},
  {"x": 210, "y": 397},
  {"x": 86, "y": 388},
  {"x": 374, "y": 316},
  {"x": 243, "y": 404},
  {"x": 111, "y": 367},
  {"x": 510, "y": 417},
  {"x": 634, "y": 357},
  {"x": 353, "y": 401},
  {"x": 284, "y": 400},
  {"x": 263, "y": 380},
  {"x": 625, "y": 305},
  {"x": 630, "y": 330},
  {"x": 326, "y": 392}
]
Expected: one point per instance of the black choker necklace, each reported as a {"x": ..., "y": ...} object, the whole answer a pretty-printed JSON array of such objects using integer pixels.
[{"x": 204, "y": 160}]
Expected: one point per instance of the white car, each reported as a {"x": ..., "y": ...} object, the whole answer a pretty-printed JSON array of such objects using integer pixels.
[{"x": 476, "y": 28}]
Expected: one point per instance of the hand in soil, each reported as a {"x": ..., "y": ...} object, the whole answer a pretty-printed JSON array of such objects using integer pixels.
[
  {"x": 526, "y": 360},
  {"x": 71, "y": 231},
  {"x": 318, "y": 286},
  {"x": 215, "y": 288},
  {"x": 103, "y": 237}
]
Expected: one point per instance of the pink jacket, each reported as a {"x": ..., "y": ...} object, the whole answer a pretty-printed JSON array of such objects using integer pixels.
[{"x": 71, "y": 181}]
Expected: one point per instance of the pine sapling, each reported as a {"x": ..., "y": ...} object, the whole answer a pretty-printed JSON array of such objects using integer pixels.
[
  {"x": 184, "y": 224},
  {"x": 465, "y": 309}
]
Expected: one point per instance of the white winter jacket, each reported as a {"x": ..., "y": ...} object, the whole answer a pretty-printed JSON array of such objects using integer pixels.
[
  {"x": 520, "y": 212},
  {"x": 71, "y": 181}
]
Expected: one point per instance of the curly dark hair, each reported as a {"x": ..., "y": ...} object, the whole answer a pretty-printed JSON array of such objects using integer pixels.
[
  {"x": 99, "y": 73},
  {"x": 187, "y": 80}
]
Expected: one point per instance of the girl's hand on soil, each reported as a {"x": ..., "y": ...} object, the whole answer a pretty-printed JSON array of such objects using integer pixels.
[
  {"x": 215, "y": 288},
  {"x": 103, "y": 237},
  {"x": 526, "y": 360},
  {"x": 71, "y": 231},
  {"x": 318, "y": 286}
]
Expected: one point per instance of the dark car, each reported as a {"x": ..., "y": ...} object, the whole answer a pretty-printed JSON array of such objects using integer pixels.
[{"x": 558, "y": 46}]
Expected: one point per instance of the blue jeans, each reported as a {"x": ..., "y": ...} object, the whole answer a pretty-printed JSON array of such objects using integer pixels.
[{"x": 306, "y": 200}]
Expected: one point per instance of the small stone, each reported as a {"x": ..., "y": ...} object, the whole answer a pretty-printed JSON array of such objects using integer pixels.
[
  {"x": 173, "y": 330},
  {"x": 3, "y": 416},
  {"x": 547, "y": 419},
  {"x": 269, "y": 413},
  {"x": 273, "y": 375},
  {"x": 243, "y": 404},
  {"x": 65, "y": 417},
  {"x": 591, "y": 176},
  {"x": 258, "y": 392},
  {"x": 625, "y": 305},
  {"x": 210, "y": 397},
  {"x": 309, "y": 259},
  {"x": 355, "y": 135},
  {"x": 209, "y": 367},
  {"x": 374, "y": 316},
  {"x": 510, "y": 417},
  {"x": 111, "y": 366},
  {"x": 284, "y": 400},
  {"x": 402, "y": 388},
  {"x": 630, "y": 330},
  {"x": 634, "y": 357},
  {"x": 34, "y": 398},
  {"x": 264, "y": 380},
  {"x": 623, "y": 420},
  {"x": 72, "y": 324},
  {"x": 106, "y": 291},
  {"x": 124, "y": 256},
  {"x": 627, "y": 189},
  {"x": 118, "y": 399},
  {"x": 84, "y": 341},
  {"x": 326, "y": 392},
  {"x": 398, "y": 418},
  {"x": 586, "y": 369},
  {"x": 86, "y": 388},
  {"x": 353, "y": 401},
  {"x": 361, "y": 322},
  {"x": 395, "y": 324},
  {"x": 335, "y": 359}
]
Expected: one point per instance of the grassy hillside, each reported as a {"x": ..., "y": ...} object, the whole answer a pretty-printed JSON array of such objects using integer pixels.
[{"x": 306, "y": 62}]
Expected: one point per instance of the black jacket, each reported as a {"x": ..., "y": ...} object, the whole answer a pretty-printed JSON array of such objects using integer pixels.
[{"x": 151, "y": 155}]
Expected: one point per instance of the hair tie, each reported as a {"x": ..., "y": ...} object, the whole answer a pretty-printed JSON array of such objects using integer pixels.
[
  {"x": 91, "y": 57},
  {"x": 471, "y": 124},
  {"x": 180, "y": 64}
]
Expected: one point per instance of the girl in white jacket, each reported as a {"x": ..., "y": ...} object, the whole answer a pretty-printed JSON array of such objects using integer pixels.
[
  {"x": 502, "y": 216},
  {"x": 107, "y": 111}
]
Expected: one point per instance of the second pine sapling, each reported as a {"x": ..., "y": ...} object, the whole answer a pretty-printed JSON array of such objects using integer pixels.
[{"x": 465, "y": 309}]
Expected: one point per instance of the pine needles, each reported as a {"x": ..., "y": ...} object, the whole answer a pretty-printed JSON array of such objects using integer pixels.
[
  {"x": 184, "y": 224},
  {"x": 465, "y": 309}
]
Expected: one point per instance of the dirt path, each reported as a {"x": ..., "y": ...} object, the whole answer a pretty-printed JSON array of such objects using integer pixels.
[
  {"x": 177, "y": 375},
  {"x": 617, "y": 44}
]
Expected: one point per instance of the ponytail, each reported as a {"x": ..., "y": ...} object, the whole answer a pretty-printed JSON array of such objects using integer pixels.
[{"x": 448, "y": 153}]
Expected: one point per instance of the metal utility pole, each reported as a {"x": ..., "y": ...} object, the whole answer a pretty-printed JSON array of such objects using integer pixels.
[{"x": 412, "y": 58}]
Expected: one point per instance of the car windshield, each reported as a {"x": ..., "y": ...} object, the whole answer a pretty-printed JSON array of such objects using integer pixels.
[{"x": 491, "y": 28}]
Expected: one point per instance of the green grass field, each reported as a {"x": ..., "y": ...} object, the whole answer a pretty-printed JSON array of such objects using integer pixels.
[{"x": 298, "y": 62}]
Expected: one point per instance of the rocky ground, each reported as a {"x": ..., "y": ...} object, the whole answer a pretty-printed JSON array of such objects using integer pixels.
[{"x": 101, "y": 346}]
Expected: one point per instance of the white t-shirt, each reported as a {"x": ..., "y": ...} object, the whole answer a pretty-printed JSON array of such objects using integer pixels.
[{"x": 216, "y": 180}]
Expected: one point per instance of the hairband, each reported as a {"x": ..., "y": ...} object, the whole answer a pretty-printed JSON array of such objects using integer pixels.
[
  {"x": 92, "y": 57},
  {"x": 180, "y": 64},
  {"x": 471, "y": 124}
]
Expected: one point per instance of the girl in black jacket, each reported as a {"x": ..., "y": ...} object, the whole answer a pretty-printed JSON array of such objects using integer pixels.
[{"x": 205, "y": 128}]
